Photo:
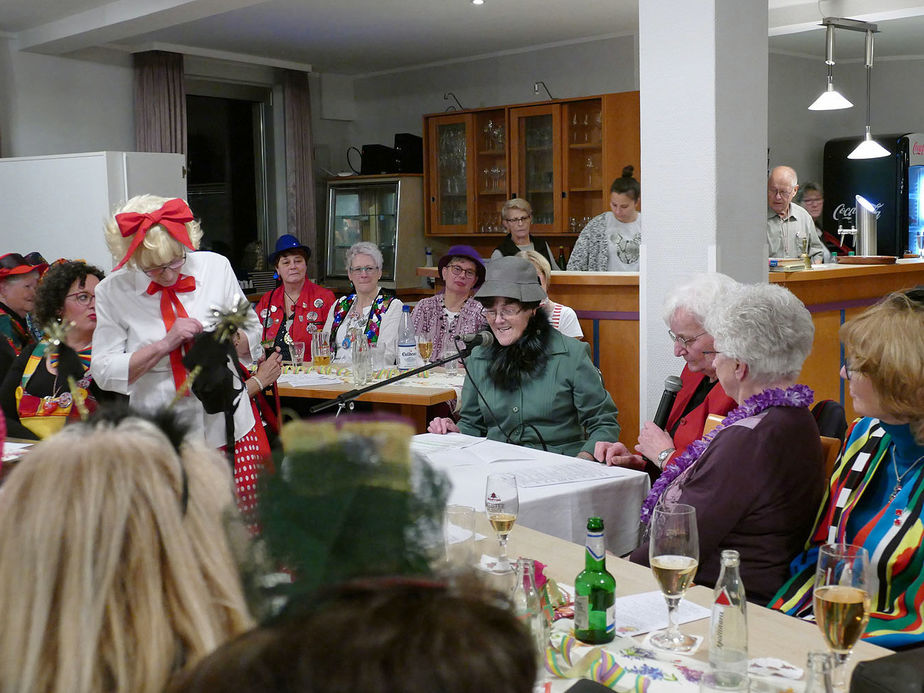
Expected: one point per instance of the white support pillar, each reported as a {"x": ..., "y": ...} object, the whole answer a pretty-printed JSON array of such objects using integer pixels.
[{"x": 703, "y": 84}]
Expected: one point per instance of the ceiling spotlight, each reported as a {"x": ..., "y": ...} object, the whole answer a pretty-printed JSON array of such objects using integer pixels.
[
  {"x": 830, "y": 99},
  {"x": 478, "y": 2}
]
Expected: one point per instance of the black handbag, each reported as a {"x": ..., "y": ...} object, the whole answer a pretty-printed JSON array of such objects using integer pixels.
[{"x": 902, "y": 672}]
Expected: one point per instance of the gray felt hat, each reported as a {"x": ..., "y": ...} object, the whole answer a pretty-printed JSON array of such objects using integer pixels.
[{"x": 511, "y": 277}]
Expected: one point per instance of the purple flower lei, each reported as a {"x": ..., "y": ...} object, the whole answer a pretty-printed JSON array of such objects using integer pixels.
[{"x": 794, "y": 396}]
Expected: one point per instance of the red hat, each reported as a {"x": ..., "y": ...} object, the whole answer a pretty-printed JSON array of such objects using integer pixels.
[{"x": 13, "y": 263}]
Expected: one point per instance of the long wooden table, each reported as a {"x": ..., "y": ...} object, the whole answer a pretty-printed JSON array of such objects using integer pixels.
[
  {"x": 770, "y": 633},
  {"x": 409, "y": 401}
]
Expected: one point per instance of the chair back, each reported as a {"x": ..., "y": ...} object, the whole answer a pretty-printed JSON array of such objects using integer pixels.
[
  {"x": 712, "y": 421},
  {"x": 832, "y": 448}
]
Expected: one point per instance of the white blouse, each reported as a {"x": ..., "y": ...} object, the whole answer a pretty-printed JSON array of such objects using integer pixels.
[{"x": 128, "y": 318}]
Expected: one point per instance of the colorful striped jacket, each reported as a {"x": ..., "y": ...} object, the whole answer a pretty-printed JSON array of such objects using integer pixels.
[{"x": 893, "y": 536}]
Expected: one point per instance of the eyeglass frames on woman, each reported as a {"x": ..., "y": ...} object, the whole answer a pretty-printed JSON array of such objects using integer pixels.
[
  {"x": 84, "y": 298},
  {"x": 519, "y": 220},
  {"x": 507, "y": 312},
  {"x": 363, "y": 270},
  {"x": 154, "y": 272},
  {"x": 459, "y": 271},
  {"x": 708, "y": 352},
  {"x": 685, "y": 342}
]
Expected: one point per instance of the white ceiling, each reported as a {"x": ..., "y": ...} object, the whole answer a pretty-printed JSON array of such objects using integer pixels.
[{"x": 368, "y": 36}]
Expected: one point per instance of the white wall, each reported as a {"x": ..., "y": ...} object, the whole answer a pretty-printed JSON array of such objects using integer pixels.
[
  {"x": 59, "y": 105},
  {"x": 797, "y": 135},
  {"x": 396, "y": 102}
]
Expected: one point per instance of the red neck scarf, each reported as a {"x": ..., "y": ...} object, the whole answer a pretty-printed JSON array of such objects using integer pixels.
[{"x": 170, "y": 310}]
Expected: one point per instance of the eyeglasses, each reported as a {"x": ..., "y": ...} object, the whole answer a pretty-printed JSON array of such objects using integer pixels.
[
  {"x": 780, "y": 192},
  {"x": 160, "y": 269},
  {"x": 708, "y": 352},
  {"x": 519, "y": 220},
  {"x": 363, "y": 270},
  {"x": 459, "y": 271},
  {"x": 685, "y": 342},
  {"x": 84, "y": 298},
  {"x": 506, "y": 313},
  {"x": 848, "y": 370},
  {"x": 812, "y": 200}
]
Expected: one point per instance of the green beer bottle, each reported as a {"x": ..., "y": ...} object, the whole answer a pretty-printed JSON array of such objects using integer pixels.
[{"x": 594, "y": 591}]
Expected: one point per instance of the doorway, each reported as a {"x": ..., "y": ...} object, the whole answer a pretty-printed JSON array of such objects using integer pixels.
[{"x": 227, "y": 135}]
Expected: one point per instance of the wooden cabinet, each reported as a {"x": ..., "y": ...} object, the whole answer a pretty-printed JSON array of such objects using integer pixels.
[{"x": 559, "y": 155}]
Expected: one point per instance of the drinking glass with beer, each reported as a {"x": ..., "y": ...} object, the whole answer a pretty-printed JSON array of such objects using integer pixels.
[
  {"x": 320, "y": 349},
  {"x": 842, "y": 600}
]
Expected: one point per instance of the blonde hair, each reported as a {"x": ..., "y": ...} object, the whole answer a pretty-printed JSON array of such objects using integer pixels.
[
  {"x": 884, "y": 344},
  {"x": 106, "y": 581},
  {"x": 516, "y": 203},
  {"x": 158, "y": 247},
  {"x": 540, "y": 263}
]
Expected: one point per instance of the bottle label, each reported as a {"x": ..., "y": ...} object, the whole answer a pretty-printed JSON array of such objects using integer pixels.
[
  {"x": 611, "y": 618},
  {"x": 407, "y": 356},
  {"x": 582, "y": 612},
  {"x": 595, "y": 546}
]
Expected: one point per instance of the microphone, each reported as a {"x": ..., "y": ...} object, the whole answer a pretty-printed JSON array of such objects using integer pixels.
[
  {"x": 483, "y": 338},
  {"x": 672, "y": 385}
]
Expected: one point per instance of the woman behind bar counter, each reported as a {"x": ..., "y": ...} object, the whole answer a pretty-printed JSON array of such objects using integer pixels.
[{"x": 610, "y": 241}]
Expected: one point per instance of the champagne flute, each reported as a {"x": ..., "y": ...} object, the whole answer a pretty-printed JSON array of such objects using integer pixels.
[
  {"x": 673, "y": 552},
  {"x": 502, "y": 503},
  {"x": 842, "y": 600},
  {"x": 425, "y": 345}
]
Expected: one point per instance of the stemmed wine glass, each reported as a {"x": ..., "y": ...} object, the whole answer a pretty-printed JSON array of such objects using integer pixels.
[
  {"x": 502, "y": 503},
  {"x": 673, "y": 552},
  {"x": 842, "y": 600}
]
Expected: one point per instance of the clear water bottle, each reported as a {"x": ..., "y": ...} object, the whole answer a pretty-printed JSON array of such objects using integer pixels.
[
  {"x": 728, "y": 628},
  {"x": 527, "y": 606},
  {"x": 407, "y": 342}
]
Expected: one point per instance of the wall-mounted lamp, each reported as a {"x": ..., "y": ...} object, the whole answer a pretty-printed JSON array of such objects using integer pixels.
[
  {"x": 451, "y": 107},
  {"x": 540, "y": 83},
  {"x": 830, "y": 99}
]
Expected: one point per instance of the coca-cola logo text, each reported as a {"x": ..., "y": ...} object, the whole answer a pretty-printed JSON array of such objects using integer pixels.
[
  {"x": 844, "y": 212},
  {"x": 917, "y": 147}
]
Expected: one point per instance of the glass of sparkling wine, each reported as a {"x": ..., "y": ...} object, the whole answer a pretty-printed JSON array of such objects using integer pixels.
[
  {"x": 673, "y": 553},
  {"x": 502, "y": 503},
  {"x": 842, "y": 600},
  {"x": 425, "y": 345}
]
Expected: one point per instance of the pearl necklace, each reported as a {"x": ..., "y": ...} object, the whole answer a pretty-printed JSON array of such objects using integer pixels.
[{"x": 899, "y": 478}]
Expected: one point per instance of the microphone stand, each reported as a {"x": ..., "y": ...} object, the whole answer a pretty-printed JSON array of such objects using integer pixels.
[{"x": 343, "y": 399}]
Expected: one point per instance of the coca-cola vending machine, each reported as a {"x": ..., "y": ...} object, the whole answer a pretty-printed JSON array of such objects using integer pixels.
[{"x": 892, "y": 183}]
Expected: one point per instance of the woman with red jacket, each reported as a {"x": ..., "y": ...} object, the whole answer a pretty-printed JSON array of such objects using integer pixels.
[
  {"x": 701, "y": 394},
  {"x": 297, "y": 308}
]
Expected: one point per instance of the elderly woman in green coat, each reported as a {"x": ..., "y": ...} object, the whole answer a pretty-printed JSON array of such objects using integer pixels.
[{"x": 532, "y": 386}]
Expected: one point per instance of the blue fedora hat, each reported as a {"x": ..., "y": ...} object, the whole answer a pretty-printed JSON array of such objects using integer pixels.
[{"x": 284, "y": 244}]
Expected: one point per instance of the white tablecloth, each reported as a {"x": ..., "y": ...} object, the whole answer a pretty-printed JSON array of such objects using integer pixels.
[{"x": 559, "y": 509}]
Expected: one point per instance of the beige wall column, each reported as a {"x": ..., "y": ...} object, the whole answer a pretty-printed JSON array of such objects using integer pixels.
[{"x": 703, "y": 83}]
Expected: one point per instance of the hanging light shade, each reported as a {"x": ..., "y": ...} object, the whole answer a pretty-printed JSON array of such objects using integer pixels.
[
  {"x": 868, "y": 148},
  {"x": 831, "y": 99}
]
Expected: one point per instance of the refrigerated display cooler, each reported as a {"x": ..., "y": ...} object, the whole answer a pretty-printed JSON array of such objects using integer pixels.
[
  {"x": 386, "y": 210},
  {"x": 893, "y": 184}
]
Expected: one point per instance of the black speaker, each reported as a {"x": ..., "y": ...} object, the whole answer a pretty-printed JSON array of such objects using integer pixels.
[
  {"x": 409, "y": 149},
  {"x": 377, "y": 158}
]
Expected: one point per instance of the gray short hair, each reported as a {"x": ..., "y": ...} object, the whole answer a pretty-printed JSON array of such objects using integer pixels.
[
  {"x": 697, "y": 296},
  {"x": 764, "y": 326},
  {"x": 516, "y": 203},
  {"x": 364, "y": 248}
]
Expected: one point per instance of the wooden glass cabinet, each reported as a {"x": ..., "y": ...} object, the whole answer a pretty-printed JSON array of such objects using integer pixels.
[{"x": 560, "y": 155}]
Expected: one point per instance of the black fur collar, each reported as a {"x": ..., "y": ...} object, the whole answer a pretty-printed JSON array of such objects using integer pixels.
[{"x": 526, "y": 357}]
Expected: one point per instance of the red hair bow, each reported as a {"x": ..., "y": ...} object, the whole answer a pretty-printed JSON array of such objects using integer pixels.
[{"x": 173, "y": 216}]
